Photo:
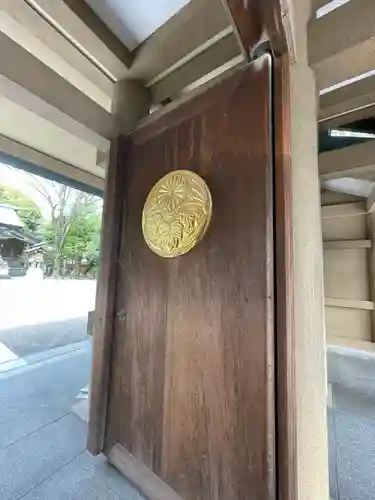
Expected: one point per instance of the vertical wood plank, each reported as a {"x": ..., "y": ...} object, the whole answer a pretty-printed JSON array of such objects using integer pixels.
[
  {"x": 105, "y": 298},
  {"x": 285, "y": 348}
]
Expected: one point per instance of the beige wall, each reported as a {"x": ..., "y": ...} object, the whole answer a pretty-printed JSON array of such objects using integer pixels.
[
  {"x": 347, "y": 272},
  {"x": 310, "y": 359}
]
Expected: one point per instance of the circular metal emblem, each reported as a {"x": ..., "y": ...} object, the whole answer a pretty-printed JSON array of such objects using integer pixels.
[{"x": 176, "y": 214}]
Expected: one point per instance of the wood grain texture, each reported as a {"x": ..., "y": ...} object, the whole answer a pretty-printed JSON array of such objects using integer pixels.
[
  {"x": 192, "y": 375},
  {"x": 148, "y": 483},
  {"x": 255, "y": 21},
  {"x": 104, "y": 306},
  {"x": 285, "y": 342}
]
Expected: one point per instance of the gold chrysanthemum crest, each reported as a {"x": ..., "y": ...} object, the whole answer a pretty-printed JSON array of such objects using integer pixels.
[{"x": 176, "y": 214}]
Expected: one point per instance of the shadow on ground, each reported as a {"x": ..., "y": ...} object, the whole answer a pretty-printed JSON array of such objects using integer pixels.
[{"x": 32, "y": 339}]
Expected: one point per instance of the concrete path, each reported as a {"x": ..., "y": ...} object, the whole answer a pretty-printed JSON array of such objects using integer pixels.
[
  {"x": 39, "y": 316},
  {"x": 351, "y": 419},
  {"x": 42, "y": 444}
]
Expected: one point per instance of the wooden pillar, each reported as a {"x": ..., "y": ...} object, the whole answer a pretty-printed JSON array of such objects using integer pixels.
[
  {"x": 310, "y": 356},
  {"x": 131, "y": 102}
]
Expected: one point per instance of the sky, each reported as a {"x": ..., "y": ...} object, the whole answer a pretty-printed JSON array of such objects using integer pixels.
[{"x": 22, "y": 181}]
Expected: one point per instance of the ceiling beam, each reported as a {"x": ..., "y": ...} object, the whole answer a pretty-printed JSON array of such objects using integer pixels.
[
  {"x": 28, "y": 82},
  {"x": 247, "y": 23},
  {"x": 348, "y": 99},
  {"x": 254, "y": 21},
  {"x": 342, "y": 43},
  {"x": 347, "y": 118},
  {"x": 182, "y": 37},
  {"x": 23, "y": 24},
  {"x": 24, "y": 155},
  {"x": 83, "y": 28},
  {"x": 223, "y": 51},
  {"x": 335, "y": 198},
  {"x": 356, "y": 161}
]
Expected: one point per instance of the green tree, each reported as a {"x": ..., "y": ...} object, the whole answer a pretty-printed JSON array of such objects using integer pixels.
[
  {"x": 27, "y": 209},
  {"x": 73, "y": 225},
  {"x": 83, "y": 238}
]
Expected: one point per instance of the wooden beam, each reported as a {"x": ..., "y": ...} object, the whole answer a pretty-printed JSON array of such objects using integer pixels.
[
  {"x": 25, "y": 154},
  {"x": 341, "y": 44},
  {"x": 345, "y": 100},
  {"x": 254, "y": 21},
  {"x": 284, "y": 286},
  {"x": 105, "y": 296},
  {"x": 28, "y": 28},
  {"x": 77, "y": 22},
  {"x": 247, "y": 23},
  {"x": 28, "y": 82},
  {"x": 353, "y": 161},
  {"x": 344, "y": 210},
  {"x": 138, "y": 103},
  {"x": 215, "y": 56},
  {"x": 148, "y": 483},
  {"x": 180, "y": 39},
  {"x": 335, "y": 198},
  {"x": 347, "y": 118},
  {"x": 365, "y": 305},
  {"x": 347, "y": 244}
]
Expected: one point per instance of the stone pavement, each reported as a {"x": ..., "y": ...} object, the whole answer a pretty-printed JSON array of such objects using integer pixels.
[
  {"x": 351, "y": 424},
  {"x": 37, "y": 317},
  {"x": 42, "y": 444},
  {"x": 31, "y": 339}
]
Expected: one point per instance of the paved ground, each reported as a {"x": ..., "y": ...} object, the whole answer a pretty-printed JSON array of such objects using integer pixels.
[
  {"x": 42, "y": 444},
  {"x": 38, "y": 316},
  {"x": 351, "y": 418},
  {"x": 45, "y": 362}
]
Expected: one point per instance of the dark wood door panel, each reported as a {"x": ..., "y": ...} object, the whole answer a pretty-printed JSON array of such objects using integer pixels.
[{"x": 192, "y": 375}]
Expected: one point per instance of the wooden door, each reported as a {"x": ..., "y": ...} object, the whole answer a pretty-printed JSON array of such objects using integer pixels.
[{"x": 191, "y": 395}]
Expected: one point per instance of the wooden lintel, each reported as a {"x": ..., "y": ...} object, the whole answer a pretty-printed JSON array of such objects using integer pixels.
[
  {"x": 26, "y": 26},
  {"x": 337, "y": 106},
  {"x": 344, "y": 210},
  {"x": 341, "y": 43},
  {"x": 77, "y": 21},
  {"x": 180, "y": 39},
  {"x": 347, "y": 244},
  {"x": 35, "y": 86},
  {"x": 24, "y": 154},
  {"x": 365, "y": 305},
  {"x": 215, "y": 56},
  {"x": 357, "y": 160}
]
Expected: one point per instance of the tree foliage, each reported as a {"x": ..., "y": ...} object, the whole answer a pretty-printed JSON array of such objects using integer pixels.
[
  {"x": 73, "y": 229},
  {"x": 28, "y": 210}
]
